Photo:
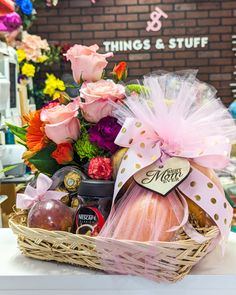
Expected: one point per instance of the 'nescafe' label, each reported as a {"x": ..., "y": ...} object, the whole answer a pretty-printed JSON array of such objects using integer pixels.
[{"x": 87, "y": 215}]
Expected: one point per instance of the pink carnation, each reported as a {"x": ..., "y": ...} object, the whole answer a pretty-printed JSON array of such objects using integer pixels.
[
  {"x": 100, "y": 168},
  {"x": 33, "y": 46}
]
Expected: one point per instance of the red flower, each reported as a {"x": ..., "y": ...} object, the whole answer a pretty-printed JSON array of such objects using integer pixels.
[
  {"x": 63, "y": 153},
  {"x": 100, "y": 168},
  {"x": 120, "y": 71},
  {"x": 65, "y": 47}
]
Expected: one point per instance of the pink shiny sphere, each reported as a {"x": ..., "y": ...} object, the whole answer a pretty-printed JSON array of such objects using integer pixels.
[{"x": 51, "y": 215}]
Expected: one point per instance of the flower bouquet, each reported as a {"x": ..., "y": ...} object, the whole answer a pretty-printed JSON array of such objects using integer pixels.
[
  {"x": 72, "y": 140},
  {"x": 75, "y": 131},
  {"x": 159, "y": 140}
]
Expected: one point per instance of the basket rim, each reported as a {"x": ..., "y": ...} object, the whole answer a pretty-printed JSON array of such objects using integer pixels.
[{"x": 212, "y": 233}]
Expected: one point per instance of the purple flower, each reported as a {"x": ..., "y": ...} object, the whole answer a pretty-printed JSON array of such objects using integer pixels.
[
  {"x": 10, "y": 22},
  {"x": 21, "y": 77},
  {"x": 104, "y": 134}
]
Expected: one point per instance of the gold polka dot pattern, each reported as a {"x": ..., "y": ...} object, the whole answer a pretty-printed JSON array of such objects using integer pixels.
[
  {"x": 210, "y": 185},
  {"x": 213, "y": 200},
  {"x": 192, "y": 183},
  {"x": 142, "y": 145},
  {"x": 198, "y": 198}
]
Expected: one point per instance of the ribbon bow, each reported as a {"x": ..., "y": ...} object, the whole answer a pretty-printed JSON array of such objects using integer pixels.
[
  {"x": 40, "y": 193},
  {"x": 146, "y": 147}
]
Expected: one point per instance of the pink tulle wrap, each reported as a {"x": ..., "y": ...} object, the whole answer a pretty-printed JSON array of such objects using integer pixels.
[
  {"x": 143, "y": 215},
  {"x": 175, "y": 116}
]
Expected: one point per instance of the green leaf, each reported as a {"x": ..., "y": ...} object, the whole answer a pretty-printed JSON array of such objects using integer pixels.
[
  {"x": 18, "y": 131},
  {"x": 8, "y": 168},
  {"x": 44, "y": 162},
  {"x": 73, "y": 86}
]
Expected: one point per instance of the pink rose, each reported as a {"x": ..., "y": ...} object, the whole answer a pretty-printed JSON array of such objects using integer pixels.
[
  {"x": 62, "y": 124},
  {"x": 86, "y": 63},
  {"x": 96, "y": 97}
]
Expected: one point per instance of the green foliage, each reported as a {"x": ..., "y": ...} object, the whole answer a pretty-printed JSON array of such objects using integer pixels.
[
  {"x": 85, "y": 149},
  {"x": 44, "y": 162},
  {"x": 77, "y": 86},
  {"x": 54, "y": 55},
  {"x": 27, "y": 21},
  {"x": 20, "y": 132},
  {"x": 37, "y": 93},
  {"x": 140, "y": 89}
]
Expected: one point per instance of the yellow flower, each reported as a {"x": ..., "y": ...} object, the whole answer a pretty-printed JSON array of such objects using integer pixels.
[
  {"x": 52, "y": 85},
  {"x": 50, "y": 90},
  {"x": 51, "y": 79},
  {"x": 56, "y": 95},
  {"x": 42, "y": 59},
  {"x": 28, "y": 70},
  {"x": 20, "y": 55},
  {"x": 60, "y": 85}
]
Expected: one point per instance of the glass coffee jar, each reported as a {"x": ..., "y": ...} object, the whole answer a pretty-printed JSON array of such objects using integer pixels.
[{"x": 94, "y": 205}]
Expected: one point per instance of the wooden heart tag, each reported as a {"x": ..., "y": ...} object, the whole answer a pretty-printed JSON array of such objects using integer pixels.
[{"x": 162, "y": 178}]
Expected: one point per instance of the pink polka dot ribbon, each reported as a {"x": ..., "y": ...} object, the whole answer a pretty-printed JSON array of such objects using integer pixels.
[
  {"x": 146, "y": 147},
  {"x": 201, "y": 190}
]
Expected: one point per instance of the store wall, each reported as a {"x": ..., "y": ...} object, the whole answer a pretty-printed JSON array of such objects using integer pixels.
[{"x": 78, "y": 21}]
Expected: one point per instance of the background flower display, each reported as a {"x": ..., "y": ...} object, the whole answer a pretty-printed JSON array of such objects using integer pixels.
[
  {"x": 34, "y": 53},
  {"x": 10, "y": 22},
  {"x": 7, "y": 6},
  {"x": 31, "y": 51},
  {"x": 28, "y": 9},
  {"x": 35, "y": 56}
]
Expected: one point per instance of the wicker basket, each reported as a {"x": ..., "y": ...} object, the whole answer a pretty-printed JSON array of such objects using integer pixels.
[{"x": 168, "y": 261}]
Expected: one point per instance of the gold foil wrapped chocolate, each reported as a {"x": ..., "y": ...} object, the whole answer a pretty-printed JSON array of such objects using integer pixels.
[
  {"x": 75, "y": 202},
  {"x": 66, "y": 200},
  {"x": 72, "y": 181}
]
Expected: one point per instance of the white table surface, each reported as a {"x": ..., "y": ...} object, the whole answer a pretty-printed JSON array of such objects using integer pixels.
[{"x": 21, "y": 275}]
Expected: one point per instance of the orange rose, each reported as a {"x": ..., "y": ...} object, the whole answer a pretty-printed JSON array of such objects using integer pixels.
[
  {"x": 120, "y": 71},
  {"x": 63, "y": 153}
]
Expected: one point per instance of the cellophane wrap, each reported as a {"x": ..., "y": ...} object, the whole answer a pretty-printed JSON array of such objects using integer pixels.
[
  {"x": 175, "y": 115},
  {"x": 143, "y": 215}
]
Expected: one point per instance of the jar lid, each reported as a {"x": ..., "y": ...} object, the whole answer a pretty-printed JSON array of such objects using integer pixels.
[{"x": 96, "y": 188}]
